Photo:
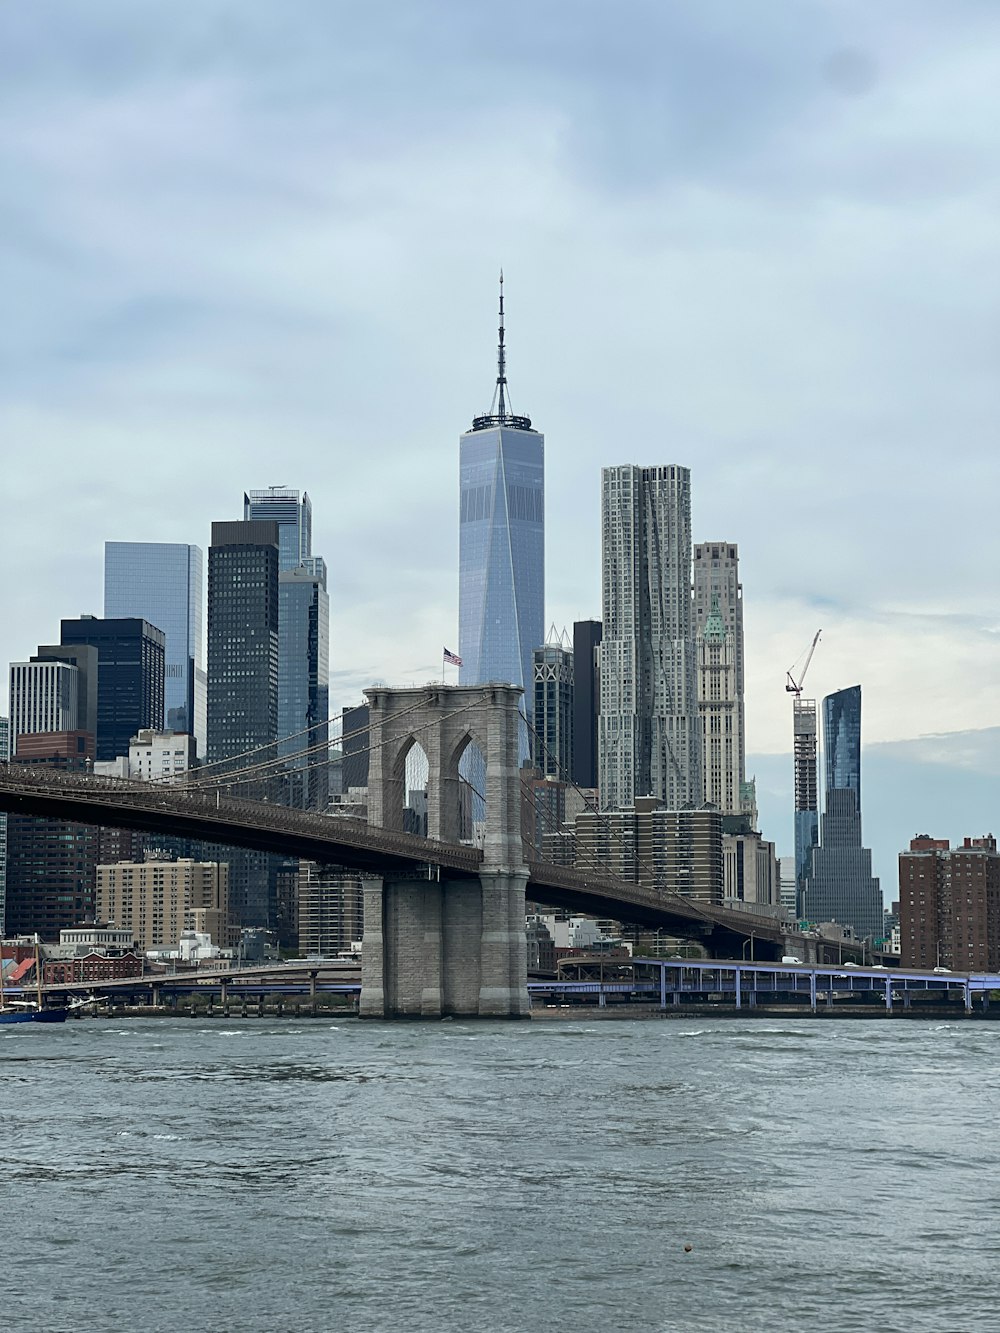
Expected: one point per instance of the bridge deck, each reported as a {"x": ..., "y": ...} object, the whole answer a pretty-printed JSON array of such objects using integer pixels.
[{"x": 265, "y": 826}]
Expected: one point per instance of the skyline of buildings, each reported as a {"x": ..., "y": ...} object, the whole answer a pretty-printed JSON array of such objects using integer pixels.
[{"x": 647, "y": 703}]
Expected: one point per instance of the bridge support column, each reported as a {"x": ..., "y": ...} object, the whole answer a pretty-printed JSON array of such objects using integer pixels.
[{"x": 445, "y": 947}]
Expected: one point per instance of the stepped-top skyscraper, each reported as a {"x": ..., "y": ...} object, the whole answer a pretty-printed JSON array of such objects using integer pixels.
[
  {"x": 649, "y": 741},
  {"x": 841, "y": 886},
  {"x": 501, "y": 616}
]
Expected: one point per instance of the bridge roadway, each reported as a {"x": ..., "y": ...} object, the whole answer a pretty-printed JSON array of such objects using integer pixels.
[
  {"x": 269, "y": 827},
  {"x": 667, "y": 983}
]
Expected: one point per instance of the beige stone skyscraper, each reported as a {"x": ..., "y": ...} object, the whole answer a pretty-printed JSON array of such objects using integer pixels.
[
  {"x": 718, "y": 618},
  {"x": 720, "y": 713}
]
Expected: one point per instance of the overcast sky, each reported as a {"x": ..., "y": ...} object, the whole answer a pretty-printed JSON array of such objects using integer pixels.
[{"x": 249, "y": 242}]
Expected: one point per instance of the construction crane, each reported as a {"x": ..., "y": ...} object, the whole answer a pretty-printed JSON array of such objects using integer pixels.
[{"x": 796, "y": 688}]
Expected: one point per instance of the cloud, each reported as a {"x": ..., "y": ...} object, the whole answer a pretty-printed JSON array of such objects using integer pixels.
[{"x": 759, "y": 241}]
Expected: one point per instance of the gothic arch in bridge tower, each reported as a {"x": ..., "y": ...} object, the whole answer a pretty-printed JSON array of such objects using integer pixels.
[{"x": 434, "y": 944}]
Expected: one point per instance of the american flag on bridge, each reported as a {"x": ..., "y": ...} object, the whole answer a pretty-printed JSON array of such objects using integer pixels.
[{"x": 451, "y": 657}]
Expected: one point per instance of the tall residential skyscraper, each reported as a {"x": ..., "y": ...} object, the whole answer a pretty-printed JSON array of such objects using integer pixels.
[
  {"x": 292, "y": 511},
  {"x": 717, "y": 589},
  {"x": 586, "y": 701},
  {"x": 163, "y": 582},
  {"x": 719, "y": 712},
  {"x": 130, "y": 677},
  {"x": 648, "y": 731},
  {"x": 842, "y": 741},
  {"x": 501, "y": 618},
  {"x": 804, "y": 736},
  {"x": 840, "y": 886},
  {"x": 553, "y": 710}
]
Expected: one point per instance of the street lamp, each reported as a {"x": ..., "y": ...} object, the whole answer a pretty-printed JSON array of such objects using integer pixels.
[{"x": 745, "y": 943}]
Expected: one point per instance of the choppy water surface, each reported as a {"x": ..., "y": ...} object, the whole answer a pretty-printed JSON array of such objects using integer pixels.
[{"x": 254, "y": 1175}]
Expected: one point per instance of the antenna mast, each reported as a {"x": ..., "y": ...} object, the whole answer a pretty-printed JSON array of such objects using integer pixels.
[{"x": 500, "y": 413}]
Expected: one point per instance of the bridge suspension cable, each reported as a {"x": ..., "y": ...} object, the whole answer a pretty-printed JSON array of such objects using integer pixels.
[{"x": 286, "y": 762}]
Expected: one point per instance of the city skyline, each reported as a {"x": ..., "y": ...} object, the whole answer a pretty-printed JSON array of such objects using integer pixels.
[{"x": 748, "y": 310}]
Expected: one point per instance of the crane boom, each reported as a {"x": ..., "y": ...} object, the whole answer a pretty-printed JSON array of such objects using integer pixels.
[{"x": 796, "y": 688}]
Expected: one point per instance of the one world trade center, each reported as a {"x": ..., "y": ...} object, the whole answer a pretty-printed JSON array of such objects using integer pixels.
[{"x": 502, "y": 542}]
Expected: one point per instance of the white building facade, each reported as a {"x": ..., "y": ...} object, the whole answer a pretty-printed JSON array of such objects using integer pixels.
[{"x": 43, "y": 697}]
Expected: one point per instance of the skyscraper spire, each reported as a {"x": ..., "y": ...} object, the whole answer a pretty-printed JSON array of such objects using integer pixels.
[
  {"x": 501, "y": 361},
  {"x": 500, "y": 413}
]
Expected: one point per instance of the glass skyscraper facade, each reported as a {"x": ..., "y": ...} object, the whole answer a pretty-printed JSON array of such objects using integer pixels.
[
  {"x": 242, "y": 639},
  {"x": 163, "y": 582},
  {"x": 130, "y": 676},
  {"x": 304, "y": 682},
  {"x": 303, "y": 643},
  {"x": 842, "y": 741},
  {"x": 586, "y": 701},
  {"x": 501, "y": 613},
  {"x": 243, "y": 687},
  {"x": 553, "y": 717},
  {"x": 840, "y": 885},
  {"x": 501, "y": 616},
  {"x": 292, "y": 511}
]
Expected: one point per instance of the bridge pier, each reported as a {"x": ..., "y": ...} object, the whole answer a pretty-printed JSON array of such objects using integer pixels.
[
  {"x": 434, "y": 948},
  {"x": 437, "y": 943}
]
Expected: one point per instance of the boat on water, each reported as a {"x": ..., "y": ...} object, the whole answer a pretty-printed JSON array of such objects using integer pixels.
[
  {"x": 29, "y": 1011},
  {"x": 30, "y": 1014}
]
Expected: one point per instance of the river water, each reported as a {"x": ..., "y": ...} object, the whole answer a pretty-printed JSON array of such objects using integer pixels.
[{"x": 335, "y": 1175}]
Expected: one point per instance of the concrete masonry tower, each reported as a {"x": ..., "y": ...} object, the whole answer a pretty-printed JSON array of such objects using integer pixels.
[{"x": 447, "y": 945}]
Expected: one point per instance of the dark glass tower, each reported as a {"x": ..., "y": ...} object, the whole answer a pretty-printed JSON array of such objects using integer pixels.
[
  {"x": 501, "y": 617},
  {"x": 163, "y": 582},
  {"x": 242, "y": 639},
  {"x": 586, "y": 700},
  {"x": 130, "y": 677},
  {"x": 840, "y": 886},
  {"x": 553, "y": 715},
  {"x": 303, "y": 643},
  {"x": 243, "y": 685}
]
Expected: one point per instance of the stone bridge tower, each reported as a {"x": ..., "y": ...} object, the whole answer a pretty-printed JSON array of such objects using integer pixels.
[{"x": 438, "y": 943}]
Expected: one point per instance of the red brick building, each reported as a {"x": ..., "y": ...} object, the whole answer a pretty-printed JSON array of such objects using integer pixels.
[
  {"x": 92, "y": 967},
  {"x": 949, "y": 904}
]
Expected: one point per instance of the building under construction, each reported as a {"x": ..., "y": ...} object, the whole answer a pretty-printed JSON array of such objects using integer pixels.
[{"x": 806, "y": 791}]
